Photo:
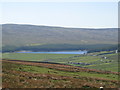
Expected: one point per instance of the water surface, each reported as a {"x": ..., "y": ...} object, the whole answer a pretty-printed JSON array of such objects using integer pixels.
[{"x": 57, "y": 52}]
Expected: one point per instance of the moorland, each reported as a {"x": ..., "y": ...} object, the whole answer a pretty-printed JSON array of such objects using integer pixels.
[{"x": 99, "y": 67}]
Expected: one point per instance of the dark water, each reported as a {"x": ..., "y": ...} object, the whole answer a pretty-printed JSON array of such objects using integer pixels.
[{"x": 59, "y": 52}]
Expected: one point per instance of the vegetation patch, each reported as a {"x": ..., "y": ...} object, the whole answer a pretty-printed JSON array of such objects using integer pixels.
[{"x": 16, "y": 75}]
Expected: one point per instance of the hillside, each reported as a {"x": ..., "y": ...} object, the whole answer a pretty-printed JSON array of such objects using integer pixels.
[
  {"x": 18, "y": 74},
  {"x": 15, "y": 34},
  {"x": 46, "y": 38}
]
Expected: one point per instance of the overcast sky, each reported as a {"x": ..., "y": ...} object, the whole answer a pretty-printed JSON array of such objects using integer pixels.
[{"x": 65, "y": 14}]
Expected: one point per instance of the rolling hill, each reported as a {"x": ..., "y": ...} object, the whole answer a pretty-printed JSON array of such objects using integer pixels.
[
  {"x": 18, "y": 35},
  {"x": 14, "y": 34}
]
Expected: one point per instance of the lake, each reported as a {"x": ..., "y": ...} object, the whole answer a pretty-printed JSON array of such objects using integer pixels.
[{"x": 57, "y": 52}]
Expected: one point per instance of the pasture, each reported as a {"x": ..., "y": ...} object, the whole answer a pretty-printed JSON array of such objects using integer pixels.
[{"x": 97, "y": 60}]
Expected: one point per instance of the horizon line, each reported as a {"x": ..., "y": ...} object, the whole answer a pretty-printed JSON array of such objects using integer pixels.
[{"x": 57, "y": 26}]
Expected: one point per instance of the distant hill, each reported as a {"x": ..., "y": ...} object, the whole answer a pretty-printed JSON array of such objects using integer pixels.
[
  {"x": 33, "y": 35},
  {"x": 15, "y": 34}
]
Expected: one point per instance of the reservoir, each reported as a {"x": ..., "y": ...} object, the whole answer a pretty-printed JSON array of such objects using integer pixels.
[{"x": 57, "y": 52}]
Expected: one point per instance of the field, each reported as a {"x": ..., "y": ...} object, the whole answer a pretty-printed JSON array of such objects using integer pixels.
[
  {"x": 100, "y": 60},
  {"x": 93, "y": 70}
]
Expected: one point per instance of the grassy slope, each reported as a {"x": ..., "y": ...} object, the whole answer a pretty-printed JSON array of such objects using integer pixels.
[
  {"x": 95, "y": 62},
  {"x": 24, "y": 76},
  {"x": 111, "y": 63}
]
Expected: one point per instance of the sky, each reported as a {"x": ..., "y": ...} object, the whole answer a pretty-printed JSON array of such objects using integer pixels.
[{"x": 65, "y": 14}]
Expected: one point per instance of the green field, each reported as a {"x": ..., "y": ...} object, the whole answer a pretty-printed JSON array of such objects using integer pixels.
[{"x": 91, "y": 60}]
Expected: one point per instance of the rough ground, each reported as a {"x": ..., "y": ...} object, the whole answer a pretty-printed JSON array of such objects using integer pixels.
[{"x": 15, "y": 77}]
